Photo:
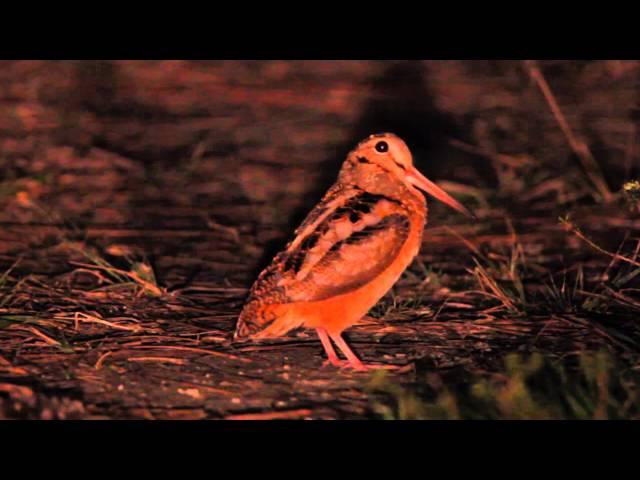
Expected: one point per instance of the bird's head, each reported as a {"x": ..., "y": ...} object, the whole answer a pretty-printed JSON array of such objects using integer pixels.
[{"x": 388, "y": 152}]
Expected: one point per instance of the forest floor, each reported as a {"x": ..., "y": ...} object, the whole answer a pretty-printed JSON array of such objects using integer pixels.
[{"x": 139, "y": 201}]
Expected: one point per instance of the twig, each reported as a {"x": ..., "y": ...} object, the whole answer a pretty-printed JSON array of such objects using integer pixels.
[
  {"x": 485, "y": 280},
  {"x": 467, "y": 242},
  {"x": 579, "y": 147},
  {"x": 47, "y": 339},
  {"x": 175, "y": 361},
  {"x": 301, "y": 412},
  {"x": 196, "y": 350},
  {"x": 78, "y": 317},
  {"x": 576, "y": 231},
  {"x": 101, "y": 360},
  {"x": 132, "y": 275},
  {"x": 623, "y": 298},
  {"x": 5, "y": 275}
]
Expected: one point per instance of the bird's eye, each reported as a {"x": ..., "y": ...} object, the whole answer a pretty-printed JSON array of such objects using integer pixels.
[{"x": 382, "y": 147}]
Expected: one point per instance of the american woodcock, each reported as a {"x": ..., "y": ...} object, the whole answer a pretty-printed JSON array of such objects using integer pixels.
[{"x": 349, "y": 251}]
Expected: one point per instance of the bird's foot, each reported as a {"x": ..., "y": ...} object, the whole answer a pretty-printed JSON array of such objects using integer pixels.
[
  {"x": 358, "y": 367},
  {"x": 344, "y": 364},
  {"x": 367, "y": 367},
  {"x": 335, "y": 362}
]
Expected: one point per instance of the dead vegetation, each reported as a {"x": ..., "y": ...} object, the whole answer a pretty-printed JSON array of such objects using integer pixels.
[{"x": 138, "y": 201}]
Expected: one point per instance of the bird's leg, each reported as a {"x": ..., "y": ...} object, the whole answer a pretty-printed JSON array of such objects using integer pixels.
[
  {"x": 331, "y": 353},
  {"x": 354, "y": 361}
]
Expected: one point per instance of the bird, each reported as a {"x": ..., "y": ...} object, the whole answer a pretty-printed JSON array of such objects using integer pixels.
[{"x": 348, "y": 252}]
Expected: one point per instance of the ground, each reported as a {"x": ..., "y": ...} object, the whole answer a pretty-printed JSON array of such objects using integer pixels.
[{"x": 140, "y": 199}]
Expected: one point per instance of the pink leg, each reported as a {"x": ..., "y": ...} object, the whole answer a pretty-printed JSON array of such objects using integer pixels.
[
  {"x": 326, "y": 343},
  {"x": 354, "y": 361}
]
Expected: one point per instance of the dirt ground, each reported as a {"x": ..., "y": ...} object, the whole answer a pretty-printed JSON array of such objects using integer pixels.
[{"x": 140, "y": 199}]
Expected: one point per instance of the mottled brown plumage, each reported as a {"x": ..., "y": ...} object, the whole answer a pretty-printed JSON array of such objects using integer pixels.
[{"x": 348, "y": 252}]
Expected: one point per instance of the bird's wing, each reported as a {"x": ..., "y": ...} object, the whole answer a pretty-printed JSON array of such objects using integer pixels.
[
  {"x": 347, "y": 249},
  {"x": 345, "y": 242},
  {"x": 350, "y": 262}
]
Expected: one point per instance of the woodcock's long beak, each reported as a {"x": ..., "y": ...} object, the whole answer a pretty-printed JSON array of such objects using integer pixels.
[{"x": 416, "y": 178}]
